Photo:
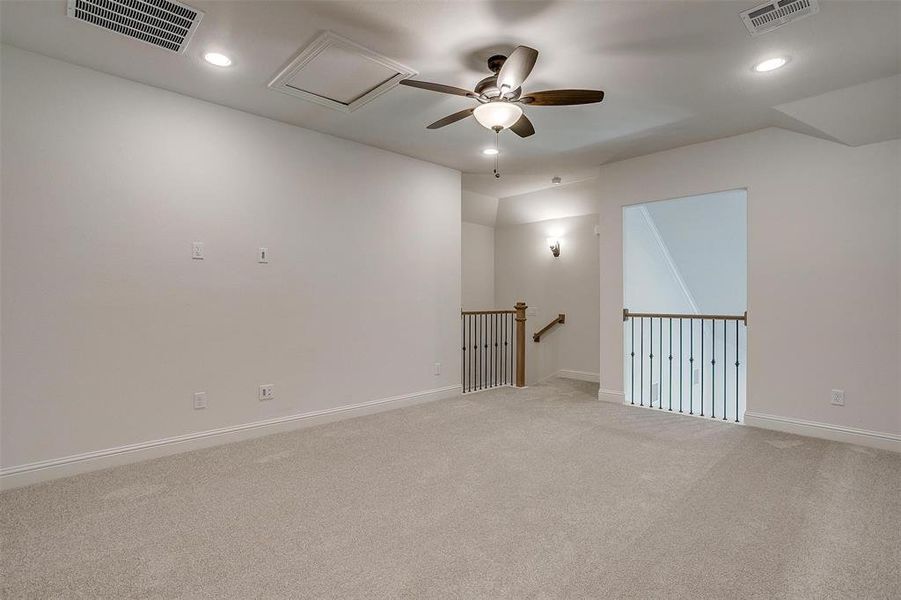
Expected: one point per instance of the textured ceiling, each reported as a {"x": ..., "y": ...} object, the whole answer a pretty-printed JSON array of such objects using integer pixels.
[{"x": 674, "y": 72}]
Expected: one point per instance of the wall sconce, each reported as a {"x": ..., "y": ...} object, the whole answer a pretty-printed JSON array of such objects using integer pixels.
[{"x": 554, "y": 245}]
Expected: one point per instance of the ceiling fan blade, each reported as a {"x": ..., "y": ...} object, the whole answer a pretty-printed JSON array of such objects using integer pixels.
[
  {"x": 562, "y": 97},
  {"x": 523, "y": 127},
  {"x": 451, "y": 119},
  {"x": 516, "y": 68},
  {"x": 437, "y": 87}
]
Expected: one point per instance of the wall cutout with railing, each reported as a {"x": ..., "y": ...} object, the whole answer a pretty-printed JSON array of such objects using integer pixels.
[
  {"x": 493, "y": 348},
  {"x": 688, "y": 363}
]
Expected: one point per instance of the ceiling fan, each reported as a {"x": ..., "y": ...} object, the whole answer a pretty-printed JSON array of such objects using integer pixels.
[{"x": 501, "y": 98}]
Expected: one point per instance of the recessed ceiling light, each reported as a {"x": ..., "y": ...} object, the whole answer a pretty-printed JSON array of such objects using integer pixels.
[
  {"x": 220, "y": 60},
  {"x": 770, "y": 64},
  {"x": 490, "y": 151}
]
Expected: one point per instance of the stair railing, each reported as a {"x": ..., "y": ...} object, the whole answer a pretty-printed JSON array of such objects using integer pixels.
[
  {"x": 699, "y": 367},
  {"x": 493, "y": 351}
]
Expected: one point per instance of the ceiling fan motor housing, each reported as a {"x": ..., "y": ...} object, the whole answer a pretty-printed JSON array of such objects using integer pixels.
[
  {"x": 487, "y": 88},
  {"x": 496, "y": 62}
]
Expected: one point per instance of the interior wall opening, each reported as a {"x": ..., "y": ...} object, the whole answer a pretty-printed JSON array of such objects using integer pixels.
[{"x": 685, "y": 304}]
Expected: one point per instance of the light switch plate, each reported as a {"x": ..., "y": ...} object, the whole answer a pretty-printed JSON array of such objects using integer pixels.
[
  {"x": 199, "y": 400},
  {"x": 197, "y": 250},
  {"x": 263, "y": 255}
]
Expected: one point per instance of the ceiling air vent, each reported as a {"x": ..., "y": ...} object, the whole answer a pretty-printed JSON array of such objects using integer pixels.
[
  {"x": 772, "y": 15},
  {"x": 163, "y": 23},
  {"x": 335, "y": 72}
]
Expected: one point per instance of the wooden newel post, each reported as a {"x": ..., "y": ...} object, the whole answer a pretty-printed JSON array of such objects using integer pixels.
[{"x": 520, "y": 343}]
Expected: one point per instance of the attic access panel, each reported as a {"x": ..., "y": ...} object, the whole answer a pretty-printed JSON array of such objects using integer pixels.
[{"x": 340, "y": 74}]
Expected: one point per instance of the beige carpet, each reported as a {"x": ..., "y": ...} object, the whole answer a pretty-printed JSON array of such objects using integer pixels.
[{"x": 537, "y": 493}]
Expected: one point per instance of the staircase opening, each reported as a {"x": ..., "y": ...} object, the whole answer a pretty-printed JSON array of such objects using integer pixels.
[{"x": 685, "y": 304}]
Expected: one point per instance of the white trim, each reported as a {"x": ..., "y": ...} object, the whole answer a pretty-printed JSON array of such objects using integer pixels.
[
  {"x": 325, "y": 40},
  {"x": 45, "y": 470},
  {"x": 579, "y": 375},
  {"x": 611, "y": 396},
  {"x": 836, "y": 433},
  {"x": 685, "y": 413},
  {"x": 488, "y": 389},
  {"x": 664, "y": 249}
]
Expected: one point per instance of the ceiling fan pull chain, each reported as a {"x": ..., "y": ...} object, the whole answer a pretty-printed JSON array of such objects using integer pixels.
[{"x": 497, "y": 153}]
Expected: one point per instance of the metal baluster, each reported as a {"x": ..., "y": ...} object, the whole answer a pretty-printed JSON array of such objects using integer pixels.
[
  {"x": 475, "y": 352},
  {"x": 633, "y": 360},
  {"x": 487, "y": 351},
  {"x": 725, "y": 347},
  {"x": 660, "y": 378},
  {"x": 736, "y": 371},
  {"x": 485, "y": 334},
  {"x": 471, "y": 353},
  {"x": 691, "y": 366},
  {"x": 681, "y": 367},
  {"x": 641, "y": 365},
  {"x": 484, "y": 343},
  {"x": 712, "y": 369},
  {"x": 463, "y": 339},
  {"x": 481, "y": 333},
  {"x": 490, "y": 351},
  {"x": 504, "y": 349},
  {"x": 671, "y": 364},
  {"x": 495, "y": 363},
  {"x": 702, "y": 367},
  {"x": 651, "y": 365},
  {"x": 479, "y": 351}
]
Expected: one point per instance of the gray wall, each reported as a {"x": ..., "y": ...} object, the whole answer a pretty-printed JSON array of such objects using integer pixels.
[
  {"x": 824, "y": 267},
  {"x": 526, "y": 270},
  {"x": 109, "y": 326}
]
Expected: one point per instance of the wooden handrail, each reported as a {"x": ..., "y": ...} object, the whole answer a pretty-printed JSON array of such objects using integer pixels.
[
  {"x": 627, "y": 314},
  {"x": 561, "y": 319},
  {"x": 487, "y": 312}
]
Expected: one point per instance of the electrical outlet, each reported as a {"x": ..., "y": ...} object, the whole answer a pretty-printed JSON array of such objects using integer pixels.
[
  {"x": 532, "y": 311},
  {"x": 199, "y": 400},
  {"x": 267, "y": 392},
  {"x": 263, "y": 255},
  {"x": 697, "y": 376},
  {"x": 197, "y": 250},
  {"x": 655, "y": 393},
  {"x": 437, "y": 368},
  {"x": 838, "y": 397}
]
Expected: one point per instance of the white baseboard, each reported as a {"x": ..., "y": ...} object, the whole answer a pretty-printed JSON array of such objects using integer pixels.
[
  {"x": 836, "y": 433},
  {"x": 578, "y": 375},
  {"x": 611, "y": 396},
  {"x": 45, "y": 470}
]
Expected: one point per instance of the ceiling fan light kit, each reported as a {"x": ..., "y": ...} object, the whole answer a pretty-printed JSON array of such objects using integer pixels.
[
  {"x": 497, "y": 115},
  {"x": 500, "y": 96}
]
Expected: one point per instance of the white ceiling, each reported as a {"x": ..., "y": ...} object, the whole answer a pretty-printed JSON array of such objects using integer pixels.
[
  {"x": 674, "y": 72},
  {"x": 861, "y": 114}
]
